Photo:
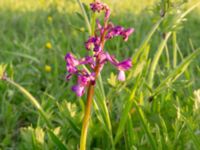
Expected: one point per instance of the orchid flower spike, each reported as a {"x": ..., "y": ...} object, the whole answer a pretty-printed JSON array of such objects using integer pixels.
[{"x": 95, "y": 43}]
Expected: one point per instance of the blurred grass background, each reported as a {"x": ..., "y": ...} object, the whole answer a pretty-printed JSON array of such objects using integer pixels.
[{"x": 36, "y": 34}]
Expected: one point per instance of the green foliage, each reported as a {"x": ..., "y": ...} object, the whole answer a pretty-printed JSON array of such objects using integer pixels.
[{"x": 158, "y": 105}]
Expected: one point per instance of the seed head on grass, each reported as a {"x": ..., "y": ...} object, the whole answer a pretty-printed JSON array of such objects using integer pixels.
[{"x": 99, "y": 57}]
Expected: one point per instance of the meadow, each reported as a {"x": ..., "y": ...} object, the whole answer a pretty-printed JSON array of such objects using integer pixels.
[{"x": 158, "y": 105}]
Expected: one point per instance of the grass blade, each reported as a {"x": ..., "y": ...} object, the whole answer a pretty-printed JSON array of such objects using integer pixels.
[
  {"x": 124, "y": 116},
  {"x": 163, "y": 43},
  {"x": 174, "y": 50},
  {"x": 189, "y": 125},
  {"x": 21, "y": 55},
  {"x": 176, "y": 72},
  {"x": 145, "y": 125},
  {"x": 126, "y": 110},
  {"x": 130, "y": 135},
  {"x": 56, "y": 141},
  {"x": 85, "y": 17},
  {"x": 145, "y": 42},
  {"x": 31, "y": 99},
  {"x": 100, "y": 101},
  {"x": 156, "y": 59}
]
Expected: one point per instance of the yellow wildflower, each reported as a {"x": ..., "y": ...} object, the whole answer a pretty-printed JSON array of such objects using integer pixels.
[
  {"x": 47, "y": 68},
  {"x": 49, "y": 19},
  {"x": 48, "y": 45}
]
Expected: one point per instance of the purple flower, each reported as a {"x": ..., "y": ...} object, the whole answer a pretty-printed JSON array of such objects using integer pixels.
[
  {"x": 124, "y": 65},
  {"x": 85, "y": 79},
  {"x": 78, "y": 89},
  {"x": 121, "y": 76},
  {"x": 70, "y": 59},
  {"x": 126, "y": 33},
  {"x": 71, "y": 63},
  {"x": 99, "y": 57},
  {"x": 115, "y": 31},
  {"x": 97, "y": 6},
  {"x": 90, "y": 42},
  {"x": 102, "y": 56},
  {"x": 119, "y": 31},
  {"x": 107, "y": 12},
  {"x": 121, "y": 66},
  {"x": 93, "y": 42},
  {"x": 87, "y": 60}
]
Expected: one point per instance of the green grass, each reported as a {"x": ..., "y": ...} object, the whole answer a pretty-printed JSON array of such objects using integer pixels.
[{"x": 154, "y": 109}]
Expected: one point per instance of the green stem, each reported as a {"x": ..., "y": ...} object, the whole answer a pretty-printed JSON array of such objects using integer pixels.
[
  {"x": 145, "y": 126},
  {"x": 31, "y": 99},
  {"x": 168, "y": 57},
  {"x": 86, "y": 117}
]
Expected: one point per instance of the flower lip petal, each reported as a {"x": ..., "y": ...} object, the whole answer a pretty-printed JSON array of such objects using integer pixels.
[
  {"x": 78, "y": 89},
  {"x": 121, "y": 76}
]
